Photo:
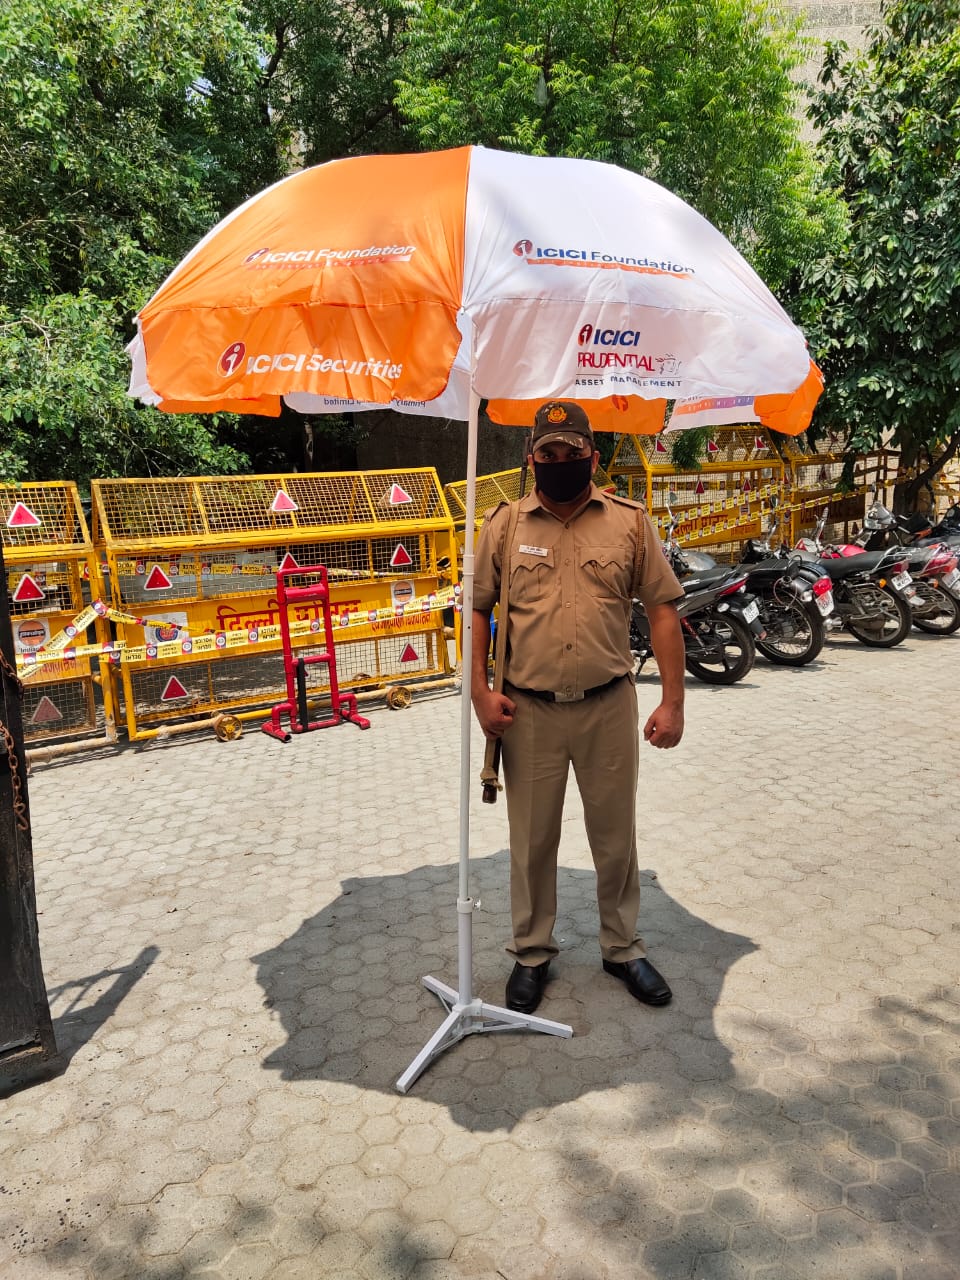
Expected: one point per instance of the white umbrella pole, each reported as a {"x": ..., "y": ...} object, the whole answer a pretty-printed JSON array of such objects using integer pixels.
[{"x": 465, "y": 1014}]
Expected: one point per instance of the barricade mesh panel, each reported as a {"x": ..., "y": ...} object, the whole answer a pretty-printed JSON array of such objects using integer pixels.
[
  {"x": 211, "y": 575},
  {"x": 255, "y": 679},
  {"x": 57, "y": 579},
  {"x": 57, "y": 709},
  {"x": 199, "y": 509},
  {"x": 57, "y": 508}
]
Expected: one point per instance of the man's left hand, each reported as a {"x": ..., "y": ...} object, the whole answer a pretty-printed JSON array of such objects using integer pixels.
[{"x": 664, "y": 728}]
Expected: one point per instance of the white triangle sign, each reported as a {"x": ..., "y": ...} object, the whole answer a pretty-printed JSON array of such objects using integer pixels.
[
  {"x": 21, "y": 517},
  {"x": 173, "y": 690},
  {"x": 157, "y": 580},
  {"x": 46, "y": 712},
  {"x": 283, "y": 502},
  {"x": 27, "y": 591}
]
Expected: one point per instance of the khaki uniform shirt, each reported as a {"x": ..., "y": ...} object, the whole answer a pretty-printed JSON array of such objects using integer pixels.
[{"x": 572, "y": 584}]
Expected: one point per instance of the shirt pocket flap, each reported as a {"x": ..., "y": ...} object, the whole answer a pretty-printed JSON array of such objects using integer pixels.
[{"x": 606, "y": 569}]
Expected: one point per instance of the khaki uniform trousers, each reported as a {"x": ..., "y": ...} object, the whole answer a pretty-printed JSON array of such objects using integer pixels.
[{"x": 600, "y": 738}]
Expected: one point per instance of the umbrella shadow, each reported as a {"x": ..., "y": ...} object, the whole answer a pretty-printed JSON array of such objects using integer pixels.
[{"x": 346, "y": 989}]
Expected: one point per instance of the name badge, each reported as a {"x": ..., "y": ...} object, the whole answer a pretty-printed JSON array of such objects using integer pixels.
[{"x": 533, "y": 551}]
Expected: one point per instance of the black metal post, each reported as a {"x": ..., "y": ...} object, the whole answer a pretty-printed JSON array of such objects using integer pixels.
[{"x": 27, "y": 1044}]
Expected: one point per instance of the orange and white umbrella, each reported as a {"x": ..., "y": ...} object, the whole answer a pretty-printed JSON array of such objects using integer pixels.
[
  {"x": 426, "y": 282},
  {"x": 408, "y": 281}
]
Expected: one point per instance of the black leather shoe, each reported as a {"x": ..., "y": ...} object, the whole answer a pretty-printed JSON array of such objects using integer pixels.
[
  {"x": 643, "y": 981},
  {"x": 525, "y": 986}
]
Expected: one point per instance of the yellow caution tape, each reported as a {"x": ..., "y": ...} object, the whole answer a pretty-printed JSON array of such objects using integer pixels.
[{"x": 401, "y": 617}]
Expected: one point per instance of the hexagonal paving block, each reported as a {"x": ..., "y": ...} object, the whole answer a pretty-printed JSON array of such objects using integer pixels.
[{"x": 735, "y": 1205}]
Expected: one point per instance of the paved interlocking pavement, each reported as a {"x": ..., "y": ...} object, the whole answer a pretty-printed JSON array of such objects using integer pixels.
[{"x": 233, "y": 937}]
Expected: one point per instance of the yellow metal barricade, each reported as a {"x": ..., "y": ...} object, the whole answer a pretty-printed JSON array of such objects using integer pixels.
[
  {"x": 835, "y": 481},
  {"x": 193, "y": 563},
  {"x": 62, "y": 645},
  {"x": 721, "y": 503}
]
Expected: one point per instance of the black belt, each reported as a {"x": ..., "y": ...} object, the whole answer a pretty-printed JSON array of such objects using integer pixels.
[{"x": 547, "y": 695}]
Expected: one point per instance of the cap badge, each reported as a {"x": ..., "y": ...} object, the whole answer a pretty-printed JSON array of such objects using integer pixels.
[{"x": 557, "y": 414}]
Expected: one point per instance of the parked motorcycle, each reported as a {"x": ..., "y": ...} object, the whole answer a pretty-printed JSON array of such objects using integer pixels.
[
  {"x": 720, "y": 622},
  {"x": 794, "y": 597},
  {"x": 931, "y": 562},
  {"x": 873, "y": 590}
]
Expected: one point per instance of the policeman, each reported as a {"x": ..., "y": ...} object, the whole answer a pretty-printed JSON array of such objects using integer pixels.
[{"x": 578, "y": 558}]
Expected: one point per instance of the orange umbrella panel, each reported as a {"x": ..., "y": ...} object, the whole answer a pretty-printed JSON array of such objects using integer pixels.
[{"x": 359, "y": 303}]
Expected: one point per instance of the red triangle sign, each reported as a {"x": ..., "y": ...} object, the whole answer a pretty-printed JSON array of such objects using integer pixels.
[
  {"x": 21, "y": 517},
  {"x": 283, "y": 502},
  {"x": 173, "y": 690},
  {"x": 46, "y": 712},
  {"x": 157, "y": 580},
  {"x": 712, "y": 446},
  {"x": 409, "y": 654},
  {"x": 400, "y": 557},
  {"x": 747, "y": 486},
  {"x": 701, "y": 487},
  {"x": 397, "y": 496},
  {"x": 759, "y": 443},
  {"x": 660, "y": 447},
  {"x": 287, "y": 563},
  {"x": 27, "y": 590}
]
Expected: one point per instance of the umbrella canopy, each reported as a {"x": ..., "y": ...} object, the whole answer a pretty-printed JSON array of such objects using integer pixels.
[{"x": 410, "y": 281}]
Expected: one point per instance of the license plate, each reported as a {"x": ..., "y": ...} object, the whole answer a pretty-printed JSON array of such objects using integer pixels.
[
  {"x": 901, "y": 581},
  {"x": 751, "y": 611},
  {"x": 825, "y": 603},
  {"x": 951, "y": 579}
]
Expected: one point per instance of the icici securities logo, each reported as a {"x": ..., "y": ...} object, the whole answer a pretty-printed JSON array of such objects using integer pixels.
[
  {"x": 523, "y": 248},
  {"x": 231, "y": 360}
]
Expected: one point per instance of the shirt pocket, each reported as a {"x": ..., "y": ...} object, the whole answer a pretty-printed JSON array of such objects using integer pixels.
[
  {"x": 606, "y": 571},
  {"x": 531, "y": 576}
]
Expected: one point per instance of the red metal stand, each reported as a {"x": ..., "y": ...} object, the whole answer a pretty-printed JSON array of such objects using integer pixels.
[{"x": 343, "y": 706}]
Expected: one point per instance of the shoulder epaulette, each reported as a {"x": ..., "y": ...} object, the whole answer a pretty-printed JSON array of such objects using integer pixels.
[{"x": 492, "y": 511}]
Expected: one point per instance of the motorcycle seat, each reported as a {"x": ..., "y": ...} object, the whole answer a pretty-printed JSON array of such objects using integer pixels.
[{"x": 850, "y": 566}]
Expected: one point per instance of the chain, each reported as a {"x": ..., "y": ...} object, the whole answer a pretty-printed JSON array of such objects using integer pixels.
[
  {"x": 11, "y": 674},
  {"x": 19, "y": 804}
]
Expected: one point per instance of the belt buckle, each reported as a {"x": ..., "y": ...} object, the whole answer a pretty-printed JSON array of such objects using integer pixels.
[{"x": 568, "y": 697}]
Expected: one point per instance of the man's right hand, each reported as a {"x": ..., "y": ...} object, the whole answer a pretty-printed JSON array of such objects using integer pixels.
[{"x": 494, "y": 711}]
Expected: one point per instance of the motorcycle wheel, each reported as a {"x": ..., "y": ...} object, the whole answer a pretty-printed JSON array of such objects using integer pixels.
[
  {"x": 727, "y": 649},
  {"x": 795, "y": 632},
  {"x": 947, "y": 618},
  {"x": 890, "y": 628}
]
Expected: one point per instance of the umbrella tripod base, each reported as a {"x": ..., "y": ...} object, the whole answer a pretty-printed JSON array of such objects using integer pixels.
[{"x": 465, "y": 1019}]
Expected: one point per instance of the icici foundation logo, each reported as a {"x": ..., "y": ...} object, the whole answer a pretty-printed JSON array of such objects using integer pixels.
[
  {"x": 583, "y": 337},
  {"x": 523, "y": 248},
  {"x": 232, "y": 358}
]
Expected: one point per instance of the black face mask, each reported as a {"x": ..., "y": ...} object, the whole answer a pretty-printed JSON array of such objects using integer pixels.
[{"x": 563, "y": 481}]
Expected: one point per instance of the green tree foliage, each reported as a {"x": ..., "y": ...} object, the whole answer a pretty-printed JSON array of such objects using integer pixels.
[
  {"x": 111, "y": 166},
  {"x": 329, "y": 73},
  {"x": 696, "y": 94},
  {"x": 883, "y": 307}
]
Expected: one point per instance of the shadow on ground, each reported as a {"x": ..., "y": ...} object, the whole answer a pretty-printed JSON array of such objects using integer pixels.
[{"x": 346, "y": 987}]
